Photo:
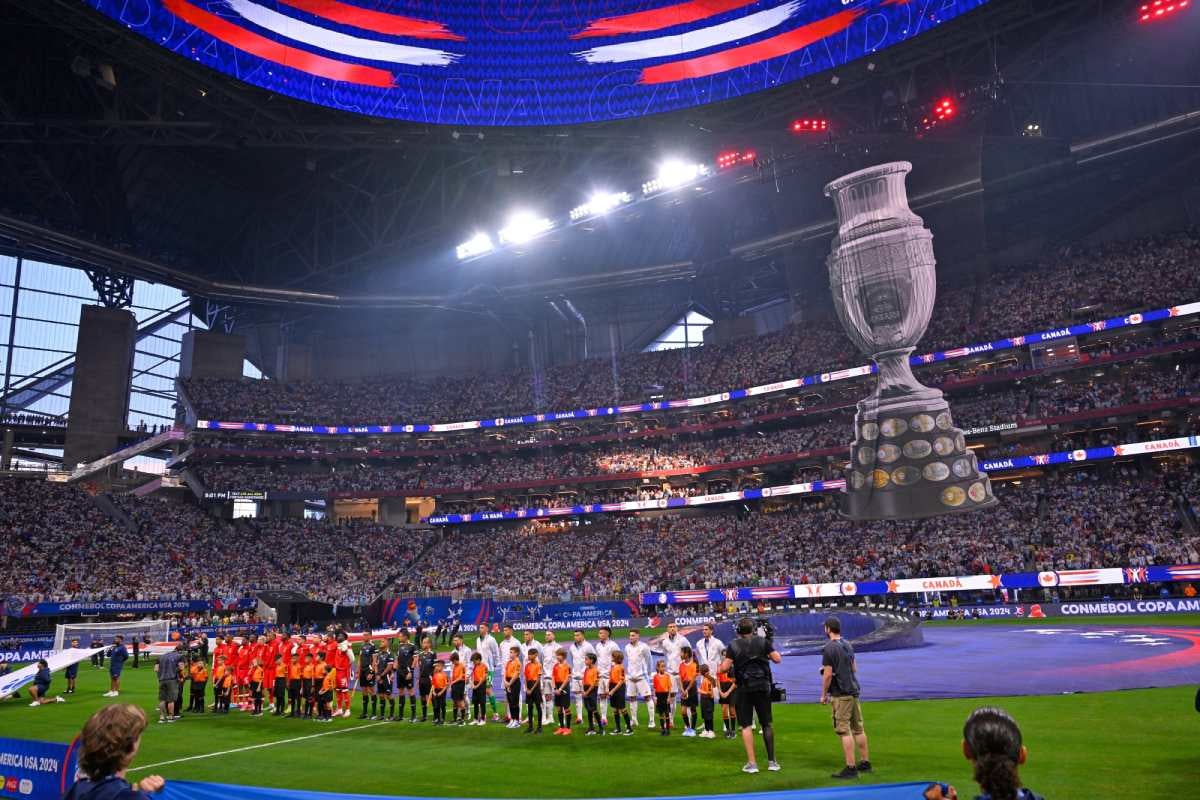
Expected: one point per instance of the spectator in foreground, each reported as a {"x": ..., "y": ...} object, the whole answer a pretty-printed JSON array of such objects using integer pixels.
[
  {"x": 992, "y": 743},
  {"x": 107, "y": 745}
]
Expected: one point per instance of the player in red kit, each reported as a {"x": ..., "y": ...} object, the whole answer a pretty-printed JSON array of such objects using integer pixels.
[{"x": 341, "y": 662}]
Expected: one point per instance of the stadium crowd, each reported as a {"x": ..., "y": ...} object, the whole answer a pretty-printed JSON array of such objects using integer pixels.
[
  {"x": 1095, "y": 283},
  {"x": 70, "y": 549},
  {"x": 1070, "y": 521}
]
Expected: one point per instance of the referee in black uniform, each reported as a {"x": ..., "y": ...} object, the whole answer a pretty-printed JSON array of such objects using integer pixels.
[{"x": 750, "y": 657}]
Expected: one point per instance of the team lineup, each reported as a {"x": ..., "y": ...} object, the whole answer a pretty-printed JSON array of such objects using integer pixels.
[{"x": 520, "y": 682}]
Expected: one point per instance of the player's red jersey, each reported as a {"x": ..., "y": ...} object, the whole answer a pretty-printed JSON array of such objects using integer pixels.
[
  {"x": 245, "y": 656},
  {"x": 341, "y": 661},
  {"x": 331, "y": 648}
]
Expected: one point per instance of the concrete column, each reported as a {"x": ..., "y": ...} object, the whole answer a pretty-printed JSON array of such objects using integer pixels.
[{"x": 100, "y": 387}]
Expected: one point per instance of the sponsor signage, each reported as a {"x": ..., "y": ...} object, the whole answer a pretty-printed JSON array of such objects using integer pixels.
[
  {"x": 34, "y": 770},
  {"x": 94, "y": 607},
  {"x": 1155, "y": 315},
  {"x": 995, "y": 427},
  {"x": 1104, "y": 576}
]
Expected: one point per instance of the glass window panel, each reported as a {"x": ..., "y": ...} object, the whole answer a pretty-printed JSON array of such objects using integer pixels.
[
  {"x": 687, "y": 331},
  {"x": 54, "y": 404},
  {"x": 27, "y": 361},
  {"x": 49, "y": 335},
  {"x": 40, "y": 304},
  {"x": 55, "y": 278},
  {"x": 251, "y": 371},
  {"x": 5, "y": 322},
  {"x": 8, "y": 270},
  {"x": 6, "y": 295}
]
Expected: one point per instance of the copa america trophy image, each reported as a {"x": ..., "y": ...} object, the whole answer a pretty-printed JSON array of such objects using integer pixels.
[{"x": 908, "y": 460}]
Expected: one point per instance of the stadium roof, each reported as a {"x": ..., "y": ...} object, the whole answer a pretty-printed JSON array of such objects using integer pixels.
[{"x": 122, "y": 154}]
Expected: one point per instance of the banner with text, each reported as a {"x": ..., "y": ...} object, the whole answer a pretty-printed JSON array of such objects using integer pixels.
[
  {"x": 36, "y": 770},
  {"x": 1105, "y": 576}
]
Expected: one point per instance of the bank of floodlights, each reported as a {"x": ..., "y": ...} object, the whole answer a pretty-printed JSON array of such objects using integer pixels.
[
  {"x": 600, "y": 204},
  {"x": 524, "y": 226},
  {"x": 478, "y": 245},
  {"x": 672, "y": 174}
]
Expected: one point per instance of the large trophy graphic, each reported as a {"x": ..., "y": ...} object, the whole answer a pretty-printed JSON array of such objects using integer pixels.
[{"x": 908, "y": 460}]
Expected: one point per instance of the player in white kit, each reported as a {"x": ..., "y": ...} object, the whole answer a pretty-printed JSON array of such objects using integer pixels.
[
  {"x": 577, "y": 653},
  {"x": 549, "y": 651},
  {"x": 605, "y": 648},
  {"x": 506, "y": 644},
  {"x": 671, "y": 645},
  {"x": 708, "y": 649},
  {"x": 637, "y": 676}
]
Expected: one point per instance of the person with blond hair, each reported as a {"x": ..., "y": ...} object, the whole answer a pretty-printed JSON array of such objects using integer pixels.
[{"x": 107, "y": 745}]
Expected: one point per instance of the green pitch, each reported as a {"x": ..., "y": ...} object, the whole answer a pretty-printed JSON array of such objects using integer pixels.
[{"x": 1081, "y": 746}]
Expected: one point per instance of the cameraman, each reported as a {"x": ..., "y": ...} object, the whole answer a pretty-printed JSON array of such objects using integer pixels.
[{"x": 750, "y": 657}]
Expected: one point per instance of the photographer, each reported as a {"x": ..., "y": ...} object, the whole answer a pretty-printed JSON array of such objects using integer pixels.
[{"x": 750, "y": 657}]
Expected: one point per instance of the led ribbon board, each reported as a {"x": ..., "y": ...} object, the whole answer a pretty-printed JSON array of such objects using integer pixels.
[
  {"x": 994, "y": 465},
  {"x": 524, "y": 62},
  {"x": 1008, "y": 343}
]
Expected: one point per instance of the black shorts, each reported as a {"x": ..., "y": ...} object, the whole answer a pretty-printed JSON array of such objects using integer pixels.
[
  {"x": 616, "y": 698},
  {"x": 562, "y": 699},
  {"x": 458, "y": 691},
  {"x": 294, "y": 687},
  {"x": 424, "y": 686},
  {"x": 533, "y": 696},
  {"x": 383, "y": 687},
  {"x": 404, "y": 680},
  {"x": 479, "y": 694},
  {"x": 691, "y": 698},
  {"x": 662, "y": 703},
  {"x": 306, "y": 687},
  {"x": 366, "y": 678},
  {"x": 727, "y": 701},
  {"x": 751, "y": 703}
]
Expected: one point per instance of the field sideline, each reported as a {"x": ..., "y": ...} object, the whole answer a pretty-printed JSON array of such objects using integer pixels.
[{"x": 1081, "y": 746}]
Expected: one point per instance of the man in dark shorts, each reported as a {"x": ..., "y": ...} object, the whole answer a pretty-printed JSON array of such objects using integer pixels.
[
  {"x": 427, "y": 662},
  {"x": 385, "y": 668},
  {"x": 71, "y": 673},
  {"x": 750, "y": 657},
  {"x": 839, "y": 688},
  {"x": 366, "y": 678},
  {"x": 406, "y": 655},
  {"x": 117, "y": 656}
]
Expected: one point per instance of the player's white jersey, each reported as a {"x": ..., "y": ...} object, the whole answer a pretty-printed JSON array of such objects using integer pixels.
[
  {"x": 604, "y": 654},
  {"x": 505, "y": 648},
  {"x": 526, "y": 647},
  {"x": 577, "y": 654},
  {"x": 550, "y": 650},
  {"x": 671, "y": 649},
  {"x": 637, "y": 660},
  {"x": 708, "y": 651},
  {"x": 464, "y": 656},
  {"x": 486, "y": 646}
]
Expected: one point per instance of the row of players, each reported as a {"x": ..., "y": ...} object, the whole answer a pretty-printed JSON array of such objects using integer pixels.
[{"x": 537, "y": 680}]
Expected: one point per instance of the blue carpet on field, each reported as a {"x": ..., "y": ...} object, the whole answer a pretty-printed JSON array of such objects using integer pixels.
[{"x": 188, "y": 790}]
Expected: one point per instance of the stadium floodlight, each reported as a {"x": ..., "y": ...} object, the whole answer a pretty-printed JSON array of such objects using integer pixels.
[
  {"x": 524, "y": 226},
  {"x": 477, "y": 245},
  {"x": 673, "y": 174},
  {"x": 599, "y": 204}
]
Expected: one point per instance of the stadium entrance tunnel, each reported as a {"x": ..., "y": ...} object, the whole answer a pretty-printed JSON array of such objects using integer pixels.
[
  {"x": 868, "y": 630},
  {"x": 188, "y": 790}
]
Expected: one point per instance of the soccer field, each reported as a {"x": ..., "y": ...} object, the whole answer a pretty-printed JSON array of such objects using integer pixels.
[{"x": 1081, "y": 746}]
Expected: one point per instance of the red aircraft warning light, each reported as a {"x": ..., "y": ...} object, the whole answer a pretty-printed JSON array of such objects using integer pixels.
[
  {"x": 810, "y": 125},
  {"x": 733, "y": 158},
  {"x": 1158, "y": 9}
]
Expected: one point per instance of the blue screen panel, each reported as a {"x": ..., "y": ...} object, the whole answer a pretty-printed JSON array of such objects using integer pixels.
[{"x": 524, "y": 62}]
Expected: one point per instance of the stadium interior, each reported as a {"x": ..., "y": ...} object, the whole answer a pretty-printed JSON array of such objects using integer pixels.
[{"x": 274, "y": 361}]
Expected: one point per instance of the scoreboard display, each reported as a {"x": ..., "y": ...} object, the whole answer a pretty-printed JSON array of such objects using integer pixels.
[{"x": 1061, "y": 352}]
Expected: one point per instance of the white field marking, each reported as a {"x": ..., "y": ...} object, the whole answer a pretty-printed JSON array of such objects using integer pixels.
[{"x": 255, "y": 746}]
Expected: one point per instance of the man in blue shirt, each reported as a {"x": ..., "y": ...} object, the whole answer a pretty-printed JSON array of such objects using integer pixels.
[{"x": 116, "y": 662}]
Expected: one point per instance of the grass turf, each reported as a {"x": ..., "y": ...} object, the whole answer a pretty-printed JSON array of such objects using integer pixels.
[{"x": 1081, "y": 746}]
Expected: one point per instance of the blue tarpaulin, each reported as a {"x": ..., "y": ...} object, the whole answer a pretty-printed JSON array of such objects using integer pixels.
[{"x": 188, "y": 790}]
